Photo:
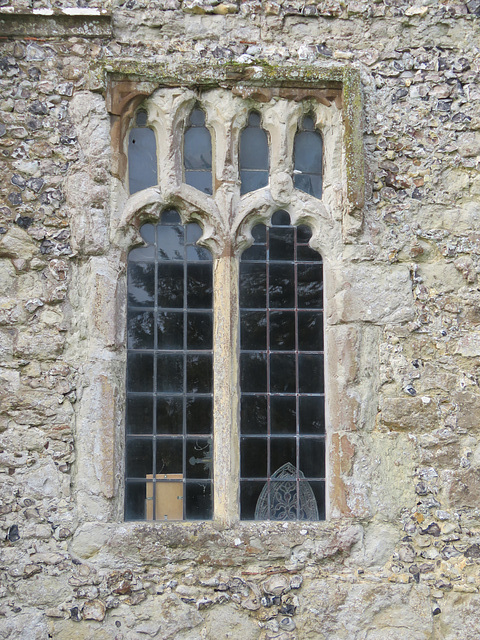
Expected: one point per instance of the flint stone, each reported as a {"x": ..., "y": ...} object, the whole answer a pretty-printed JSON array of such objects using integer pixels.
[{"x": 94, "y": 610}]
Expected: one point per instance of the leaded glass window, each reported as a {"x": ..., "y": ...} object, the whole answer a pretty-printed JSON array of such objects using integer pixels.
[
  {"x": 169, "y": 466},
  {"x": 282, "y": 448},
  {"x": 277, "y": 375},
  {"x": 254, "y": 155},
  {"x": 308, "y": 149},
  {"x": 197, "y": 153},
  {"x": 142, "y": 155}
]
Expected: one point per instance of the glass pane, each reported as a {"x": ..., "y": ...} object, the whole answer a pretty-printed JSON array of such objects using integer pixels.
[
  {"x": 198, "y": 253},
  {"x": 255, "y": 252},
  {"x": 312, "y": 415},
  {"x": 139, "y": 414},
  {"x": 199, "y": 415},
  {"x": 253, "y": 286},
  {"x": 169, "y": 456},
  {"x": 201, "y": 180},
  {"x": 199, "y": 458},
  {"x": 282, "y": 450},
  {"x": 170, "y": 330},
  {"x": 147, "y": 231},
  {"x": 140, "y": 330},
  {"x": 253, "y": 458},
  {"x": 281, "y": 243},
  {"x": 199, "y": 286},
  {"x": 283, "y": 414},
  {"x": 310, "y": 286},
  {"x": 139, "y": 459},
  {"x": 259, "y": 233},
  {"x": 310, "y": 373},
  {"x": 307, "y": 254},
  {"x": 194, "y": 232},
  {"x": 252, "y": 180},
  {"x": 199, "y": 373},
  {"x": 198, "y": 148},
  {"x": 141, "y": 118},
  {"x": 281, "y": 218},
  {"x": 198, "y": 501},
  {"x": 282, "y": 285},
  {"x": 254, "y": 149},
  {"x": 312, "y": 457},
  {"x": 197, "y": 117},
  {"x": 253, "y": 327},
  {"x": 253, "y": 372},
  {"x": 197, "y": 153},
  {"x": 249, "y": 494},
  {"x": 169, "y": 415},
  {"x": 199, "y": 330},
  {"x": 135, "y": 494},
  {"x": 170, "y": 285},
  {"x": 169, "y": 372},
  {"x": 282, "y": 373},
  {"x": 253, "y": 414},
  {"x": 282, "y": 330},
  {"x": 140, "y": 372},
  {"x": 304, "y": 233},
  {"x": 310, "y": 331},
  {"x": 142, "y": 159},
  {"x": 141, "y": 284},
  {"x": 309, "y": 183},
  {"x": 318, "y": 490},
  {"x": 308, "y": 152},
  {"x": 170, "y": 242},
  {"x": 170, "y": 216}
]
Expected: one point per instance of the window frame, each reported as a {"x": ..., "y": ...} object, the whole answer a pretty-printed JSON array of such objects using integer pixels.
[{"x": 134, "y": 210}]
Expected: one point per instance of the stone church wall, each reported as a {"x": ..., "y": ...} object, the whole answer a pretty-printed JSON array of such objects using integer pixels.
[{"x": 399, "y": 554}]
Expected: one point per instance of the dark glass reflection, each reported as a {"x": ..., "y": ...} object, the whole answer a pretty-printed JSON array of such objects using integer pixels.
[
  {"x": 139, "y": 414},
  {"x": 198, "y": 501},
  {"x": 282, "y": 410},
  {"x": 169, "y": 374},
  {"x": 254, "y": 156},
  {"x": 142, "y": 159},
  {"x": 197, "y": 153},
  {"x": 307, "y": 153}
]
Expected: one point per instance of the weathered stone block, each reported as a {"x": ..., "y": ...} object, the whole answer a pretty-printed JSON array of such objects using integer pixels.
[
  {"x": 370, "y": 294},
  {"x": 415, "y": 414}
]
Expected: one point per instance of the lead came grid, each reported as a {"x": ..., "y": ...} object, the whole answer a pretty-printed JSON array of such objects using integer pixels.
[
  {"x": 169, "y": 371},
  {"x": 282, "y": 375}
]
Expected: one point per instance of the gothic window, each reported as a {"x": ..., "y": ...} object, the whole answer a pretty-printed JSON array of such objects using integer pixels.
[{"x": 225, "y": 392}]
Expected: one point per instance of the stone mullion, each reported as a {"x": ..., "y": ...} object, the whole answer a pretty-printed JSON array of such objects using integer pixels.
[{"x": 226, "y": 389}]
